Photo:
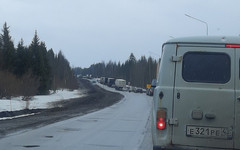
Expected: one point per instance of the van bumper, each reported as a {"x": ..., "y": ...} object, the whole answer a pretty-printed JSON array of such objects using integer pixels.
[{"x": 170, "y": 148}]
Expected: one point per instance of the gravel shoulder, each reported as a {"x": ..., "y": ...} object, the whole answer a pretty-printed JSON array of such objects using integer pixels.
[{"x": 97, "y": 98}]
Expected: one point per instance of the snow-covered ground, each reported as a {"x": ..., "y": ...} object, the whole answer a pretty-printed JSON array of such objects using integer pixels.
[
  {"x": 122, "y": 126},
  {"x": 38, "y": 102}
]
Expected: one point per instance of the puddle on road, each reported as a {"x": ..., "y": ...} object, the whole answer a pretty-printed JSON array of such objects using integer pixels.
[
  {"x": 48, "y": 136},
  {"x": 89, "y": 120},
  {"x": 31, "y": 146},
  {"x": 129, "y": 119},
  {"x": 69, "y": 129},
  {"x": 127, "y": 131},
  {"x": 102, "y": 145}
]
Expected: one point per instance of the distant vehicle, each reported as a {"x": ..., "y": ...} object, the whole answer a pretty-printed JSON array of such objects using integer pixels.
[
  {"x": 147, "y": 91},
  {"x": 144, "y": 90},
  {"x": 137, "y": 90},
  {"x": 150, "y": 91},
  {"x": 98, "y": 80},
  {"x": 111, "y": 82},
  {"x": 120, "y": 84},
  {"x": 102, "y": 80},
  {"x": 134, "y": 89},
  {"x": 196, "y": 103},
  {"x": 94, "y": 81},
  {"x": 129, "y": 88},
  {"x": 154, "y": 83},
  {"x": 105, "y": 81}
]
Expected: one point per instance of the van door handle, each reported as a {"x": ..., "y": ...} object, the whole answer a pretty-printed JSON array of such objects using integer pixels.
[
  {"x": 238, "y": 98},
  {"x": 210, "y": 116}
]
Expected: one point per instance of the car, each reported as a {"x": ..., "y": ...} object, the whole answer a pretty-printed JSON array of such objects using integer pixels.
[
  {"x": 94, "y": 81},
  {"x": 151, "y": 91},
  {"x": 129, "y": 88},
  {"x": 196, "y": 103},
  {"x": 134, "y": 89},
  {"x": 144, "y": 90},
  {"x": 139, "y": 90},
  {"x": 147, "y": 91}
]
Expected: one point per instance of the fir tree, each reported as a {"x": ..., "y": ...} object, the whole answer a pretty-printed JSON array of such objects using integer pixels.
[
  {"x": 8, "y": 49},
  {"x": 40, "y": 65},
  {"x": 21, "y": 61}
]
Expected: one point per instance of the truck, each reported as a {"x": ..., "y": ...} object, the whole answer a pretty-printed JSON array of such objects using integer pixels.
[
  {"x": 102, "y": 80},
  {"x": 111, "y": 82},
  {"x": 120, "y": 84},
  {"x": 105, "y": 81}
]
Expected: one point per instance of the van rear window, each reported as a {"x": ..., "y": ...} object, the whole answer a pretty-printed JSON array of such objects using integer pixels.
[{"x": 206, "y": 67}]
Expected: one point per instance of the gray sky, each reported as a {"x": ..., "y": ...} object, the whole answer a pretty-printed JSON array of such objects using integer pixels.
[{"x": 91, "y": 31}]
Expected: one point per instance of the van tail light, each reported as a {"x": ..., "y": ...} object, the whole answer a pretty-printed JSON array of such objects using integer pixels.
[
  {"x": 161, "y": 119},
  {"x": 232, "y": 45}
]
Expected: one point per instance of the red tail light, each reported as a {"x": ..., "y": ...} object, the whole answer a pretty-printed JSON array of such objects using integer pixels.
[
  {"x": 232, "y": 45},
  {"x": 161, "y": 119},
  {"x": 161, "y": 124}
]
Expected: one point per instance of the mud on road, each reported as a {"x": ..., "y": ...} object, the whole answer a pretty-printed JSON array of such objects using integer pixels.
[{"x": 97, "y": 98}]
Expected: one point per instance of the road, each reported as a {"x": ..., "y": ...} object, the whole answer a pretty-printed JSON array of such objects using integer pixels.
[
  {"x": 96, "y": 98},
  {"x": 122, "y": 126}
]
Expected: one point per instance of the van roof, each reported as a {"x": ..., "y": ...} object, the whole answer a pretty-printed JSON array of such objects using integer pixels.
[{"x": 206, "y": 40}]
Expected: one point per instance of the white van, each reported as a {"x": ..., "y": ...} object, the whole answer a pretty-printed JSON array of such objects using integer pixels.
[
  {"x": 120, "y": 84},
  {"x": 197, "y": 98}
]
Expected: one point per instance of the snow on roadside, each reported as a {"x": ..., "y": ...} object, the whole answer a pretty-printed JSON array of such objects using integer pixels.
[
  {"x": 38, "y": 102},
  {"x": 25, "y": 115}
]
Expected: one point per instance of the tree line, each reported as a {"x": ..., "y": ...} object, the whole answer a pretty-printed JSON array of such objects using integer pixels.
[
  {"x": 137, "y": 72},
  {"x": 31, "y": 70}
]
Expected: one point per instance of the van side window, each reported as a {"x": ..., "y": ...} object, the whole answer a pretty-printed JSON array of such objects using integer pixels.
[{"x": 206, "y": 67}]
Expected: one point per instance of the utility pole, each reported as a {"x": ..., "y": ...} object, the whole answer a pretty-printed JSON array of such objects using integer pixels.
[{"x": 199, "y": 21}]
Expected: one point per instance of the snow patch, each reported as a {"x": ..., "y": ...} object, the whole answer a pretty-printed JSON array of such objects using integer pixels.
[
  {"x": 38, "y": 102},
  {"x": 25, "y": 115}
]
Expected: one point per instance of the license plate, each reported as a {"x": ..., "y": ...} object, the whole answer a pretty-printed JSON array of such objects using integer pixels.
[{"x": 209, "y": 132}]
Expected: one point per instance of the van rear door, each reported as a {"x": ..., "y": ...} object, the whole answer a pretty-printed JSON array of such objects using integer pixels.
[
  {"x": 204, "y": 97},
  {"x": 237, "y": 102}
]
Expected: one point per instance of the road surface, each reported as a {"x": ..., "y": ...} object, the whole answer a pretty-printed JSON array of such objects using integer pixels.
[
  {"x": 122, "y": 126},
  {"x": 96, "y": 98}
]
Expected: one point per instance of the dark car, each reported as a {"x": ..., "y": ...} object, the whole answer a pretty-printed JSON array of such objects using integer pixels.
[
  {"x": 139, "y": 90},
  {"x": 151, "y": 91}
]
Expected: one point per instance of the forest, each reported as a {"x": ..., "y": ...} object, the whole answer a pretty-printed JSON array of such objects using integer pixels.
[
  {"x": 33, "y": 69},
  {"x": 136, "y": 72}
]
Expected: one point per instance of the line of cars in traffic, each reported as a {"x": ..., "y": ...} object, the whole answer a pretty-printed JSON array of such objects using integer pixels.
[{"x": 120, "y": 84}]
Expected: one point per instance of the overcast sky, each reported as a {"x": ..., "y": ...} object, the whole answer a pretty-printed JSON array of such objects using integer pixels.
[{"x": 91, "y": 31}]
